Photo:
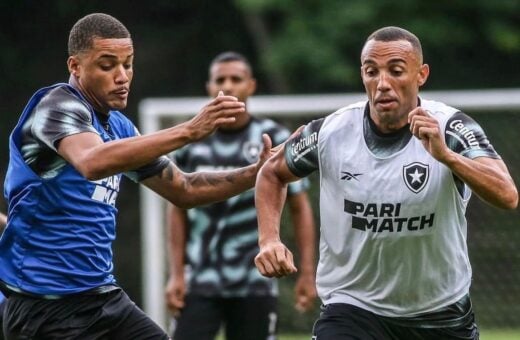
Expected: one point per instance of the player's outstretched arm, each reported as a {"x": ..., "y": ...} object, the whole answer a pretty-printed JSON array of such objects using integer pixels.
[
  {"x": 274, "y": 259},
  {"x": 95, "y": 159},
  {"x": 187, "y": 190},
  {"x": 487, "y": 177}
]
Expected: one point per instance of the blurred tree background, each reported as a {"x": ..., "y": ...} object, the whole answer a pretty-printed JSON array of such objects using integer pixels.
[{"x": 295, "y": 47}]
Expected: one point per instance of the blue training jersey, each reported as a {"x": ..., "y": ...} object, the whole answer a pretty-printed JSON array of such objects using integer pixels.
[{"x": 60, "y": 230}]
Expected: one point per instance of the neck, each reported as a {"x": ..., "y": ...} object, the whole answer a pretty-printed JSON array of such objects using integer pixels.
[{"x": 75, "y": 84}]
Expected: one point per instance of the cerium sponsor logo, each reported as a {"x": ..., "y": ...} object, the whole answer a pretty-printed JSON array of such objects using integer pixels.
[
  {"x": 463, "y": 134},
  {"x": 106, "y": 190},
  {"x": 415, "y": 176},
  {"x": 251, "y": 151},
  {"x": 385, "y": 217},
  {"x": 304, "y": 145}
]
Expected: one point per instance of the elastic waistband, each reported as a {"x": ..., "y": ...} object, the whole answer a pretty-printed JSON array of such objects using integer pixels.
[{"x": 9, "y": 290}]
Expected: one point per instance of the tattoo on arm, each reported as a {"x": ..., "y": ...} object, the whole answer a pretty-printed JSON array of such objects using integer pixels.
[{"x": 215, "y": 178}]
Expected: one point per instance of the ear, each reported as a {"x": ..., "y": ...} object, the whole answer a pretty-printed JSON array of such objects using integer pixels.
[
  {"x": 252, "y": 87},
  {"x": 424, "y": 72},
  {"x": 73, "y": 66}
]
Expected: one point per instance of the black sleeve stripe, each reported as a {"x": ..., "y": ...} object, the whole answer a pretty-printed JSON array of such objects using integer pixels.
[
  {"x": 301, "y": 151},
  {"x": 466, "y": 137}
]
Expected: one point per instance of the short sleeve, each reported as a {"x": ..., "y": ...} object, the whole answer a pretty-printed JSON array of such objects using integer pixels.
[
  {"x": 60, "y": 114},
  {"x": 465, "y": 136},
  {"x": 301, "y": 150}
]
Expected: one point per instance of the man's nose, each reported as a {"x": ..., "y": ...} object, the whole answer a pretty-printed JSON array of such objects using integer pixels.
[
  {"x": 383, "y": 83},
  {"x": 121, "y": 75}
]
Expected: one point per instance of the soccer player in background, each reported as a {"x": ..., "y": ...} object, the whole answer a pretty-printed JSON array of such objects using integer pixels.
[
  {"x": 213, "y": 280},
  {"x": 397, "y": 172},
  {"x": 68, "y": 153}
]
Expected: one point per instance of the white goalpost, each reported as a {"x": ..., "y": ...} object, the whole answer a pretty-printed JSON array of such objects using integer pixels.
[{"x": 153, "y": 110}]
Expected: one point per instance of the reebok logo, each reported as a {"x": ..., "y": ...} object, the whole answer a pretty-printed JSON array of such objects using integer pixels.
[{"x": 348, "y": 176}]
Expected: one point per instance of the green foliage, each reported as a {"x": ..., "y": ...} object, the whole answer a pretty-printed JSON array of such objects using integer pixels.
[{"x": 315, "y": 45}]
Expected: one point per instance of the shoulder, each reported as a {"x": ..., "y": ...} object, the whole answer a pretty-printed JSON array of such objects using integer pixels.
[
  {"x": 345, "y": 116},
  {"x": 276, "y": 130},
  {"x": 64, "y": 99},
  {"x": 441, "y": 111}
]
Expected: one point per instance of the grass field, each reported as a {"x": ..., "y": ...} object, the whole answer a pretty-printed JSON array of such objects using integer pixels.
[{"x": 485, "y": 335}]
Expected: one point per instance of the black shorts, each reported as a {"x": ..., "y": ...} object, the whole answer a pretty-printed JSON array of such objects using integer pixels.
[
  {"x": 110, "y": 315},
  {"x": 250, "y": 318},
  {"x": 339, "y": 321}
]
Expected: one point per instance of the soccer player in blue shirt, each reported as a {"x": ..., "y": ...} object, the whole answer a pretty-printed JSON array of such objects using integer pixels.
[{"x": 68, "y": 153}]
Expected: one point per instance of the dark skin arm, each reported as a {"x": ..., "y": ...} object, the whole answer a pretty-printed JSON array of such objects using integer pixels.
[
  {"x": 95, "y": 159},
  {"x": 305, "y": 234},
  {"x": 274, "y": 258},
  {"x": 187, "y": 190},
  {"x": 177, "y": 232}
]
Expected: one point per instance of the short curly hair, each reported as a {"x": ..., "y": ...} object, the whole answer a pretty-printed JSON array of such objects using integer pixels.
[{"x": 95, "y": 25}]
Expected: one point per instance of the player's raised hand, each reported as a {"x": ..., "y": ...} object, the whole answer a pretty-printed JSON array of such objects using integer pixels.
[
  {"x": 268, "y": 151},
  {"x": 220, "y": 111},
  {"x": 275, "y": 260},
  {"x": 425, "y": 127}
]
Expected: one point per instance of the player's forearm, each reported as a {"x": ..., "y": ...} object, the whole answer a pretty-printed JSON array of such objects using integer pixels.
[
  {"x": 208, "y": 187},
  {"x": 177, "y": 233},
  {"x": 304, "y": 229},
  {"x": 270, "y": 194},
  {"x": 127, "y": 154},
  {"x": 488, "y": 178}
]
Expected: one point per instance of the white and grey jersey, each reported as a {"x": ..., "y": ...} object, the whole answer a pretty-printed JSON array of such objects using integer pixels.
[
  {"x": 60, "y": 114},
  {"x": 393, "y": 230}
]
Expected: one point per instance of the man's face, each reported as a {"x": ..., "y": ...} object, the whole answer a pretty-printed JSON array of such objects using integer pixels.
[
  {"x": 233, "y": 78},
  {"x": 104, "y": 73},
  {"x": 392, "y": 73}
]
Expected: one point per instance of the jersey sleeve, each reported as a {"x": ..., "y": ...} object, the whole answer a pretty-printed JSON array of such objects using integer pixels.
[
  {"x": 466, "y": 137},
  {"x": 58, "y": 115},
  {"x": 301, "y": 150},
  {"x": 279, "y": 136}
]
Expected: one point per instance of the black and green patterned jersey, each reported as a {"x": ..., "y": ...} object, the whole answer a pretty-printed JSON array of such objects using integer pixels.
[{"x": 222, "y": 238}]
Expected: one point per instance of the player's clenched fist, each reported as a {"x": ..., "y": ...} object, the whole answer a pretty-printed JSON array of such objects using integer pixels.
[
  {"x": 275, "y": 260},
  {"x": 425, "y": 127}
]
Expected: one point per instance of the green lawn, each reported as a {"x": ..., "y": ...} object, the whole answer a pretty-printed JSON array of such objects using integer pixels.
[{"x": 485, "y": 335}]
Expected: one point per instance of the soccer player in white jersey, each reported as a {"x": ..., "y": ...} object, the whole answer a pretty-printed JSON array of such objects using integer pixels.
[{"x": 396, "y": 174}]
